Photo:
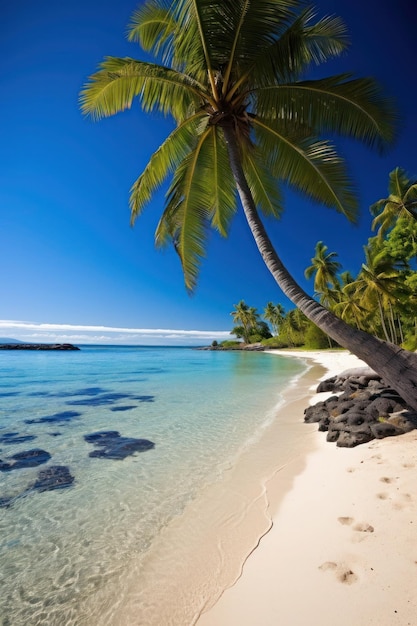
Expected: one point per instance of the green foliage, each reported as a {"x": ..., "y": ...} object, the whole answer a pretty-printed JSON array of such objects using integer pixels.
[
  {"x": 382, "y": 298},
  {"x": 278, "y": 343},
  {"x": 274, "y": 314},
  {"x": 248, "y": 317},
  {"x": 229, "y": 343},
  {"x": 401, "y": 242},
  {"x": 316, "y": 339}
]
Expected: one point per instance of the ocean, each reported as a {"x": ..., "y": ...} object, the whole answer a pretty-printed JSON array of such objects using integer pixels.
[{"x": 108, "y": 540}]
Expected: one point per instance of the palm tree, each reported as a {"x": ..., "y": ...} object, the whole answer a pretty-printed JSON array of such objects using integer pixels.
[
  {"x": 380, "y": 286},
  {"x": 274, "y": 314},
  {"x": 324, "y": 268},
  {"x": 349, "y": 306},
  {"x": 232, "y": 75},
  {"x": 246, "y": 316},
  {"x": 401, "y": 202}
]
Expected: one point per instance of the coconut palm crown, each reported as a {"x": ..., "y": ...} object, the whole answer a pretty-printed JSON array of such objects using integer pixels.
[
  {"x": 238, "y": 64},
  {"x": 233, "y": 76}
]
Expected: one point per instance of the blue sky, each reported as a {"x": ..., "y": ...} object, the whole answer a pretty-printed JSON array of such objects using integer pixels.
[{"x": 72, "y": 268}]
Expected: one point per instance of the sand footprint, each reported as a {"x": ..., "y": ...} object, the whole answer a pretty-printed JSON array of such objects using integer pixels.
[
  {"x": 382, "y": 496},
  {"x": 360, "y": 528},
  {"x": 343, "y": 573},
  {"x": 364, "y": 528},
  {"x": 386, "y": 479}
]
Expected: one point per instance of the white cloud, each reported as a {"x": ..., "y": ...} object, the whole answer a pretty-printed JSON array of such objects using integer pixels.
[{"x": 78, "y": 333}]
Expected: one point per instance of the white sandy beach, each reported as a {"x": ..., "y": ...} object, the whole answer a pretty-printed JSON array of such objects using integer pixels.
[{"x": 342, "y": 548}]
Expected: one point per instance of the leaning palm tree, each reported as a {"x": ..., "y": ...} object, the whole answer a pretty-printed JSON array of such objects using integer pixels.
[{"x": 232, "y": 74}]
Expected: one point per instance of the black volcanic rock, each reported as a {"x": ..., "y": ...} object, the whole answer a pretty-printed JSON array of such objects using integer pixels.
[{"x": 366, "y": 409}]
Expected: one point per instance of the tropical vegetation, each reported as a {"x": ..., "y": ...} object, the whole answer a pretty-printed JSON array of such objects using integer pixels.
[
  {"x": 233, "y": 76},
  {"x": 382, "y": 298}
]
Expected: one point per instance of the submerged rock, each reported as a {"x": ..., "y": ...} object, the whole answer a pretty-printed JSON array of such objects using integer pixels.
[
  {"x": 113, "y": 446},
  {"x": 10, "y": 438},
  {"x": 109, "y": 398},
  {"x": 6, "y": 502},
  {"x": 27, "y": 458},
  {"x": 53, "y": 477},
  {"x": 56, "y": 418}
]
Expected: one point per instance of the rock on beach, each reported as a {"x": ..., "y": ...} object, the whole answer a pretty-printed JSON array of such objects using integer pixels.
[{"x": 362, "y": 408}]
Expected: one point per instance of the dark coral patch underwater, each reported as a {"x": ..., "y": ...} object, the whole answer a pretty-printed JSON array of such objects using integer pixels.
[
  {"x": 112, "y": 446},
  {"x": 56, "y": 418},
  {"x": 22, "y": 460},
  {"x": 11, "y": 438}
]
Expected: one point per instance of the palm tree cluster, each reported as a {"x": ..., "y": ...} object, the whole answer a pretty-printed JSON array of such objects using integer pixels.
[
  {"x": 382, "y": 298},
  {"x": 278, "y": 329},
  {"x": 249, "y": 326},
  {"x": 232, "y": 74}
]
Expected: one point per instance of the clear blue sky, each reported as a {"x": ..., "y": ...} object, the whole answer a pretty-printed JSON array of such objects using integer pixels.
[{"x": 68, "y": 255}]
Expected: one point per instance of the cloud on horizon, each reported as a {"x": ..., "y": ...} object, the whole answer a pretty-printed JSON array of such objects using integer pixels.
[{"x": 78, "y": 333}]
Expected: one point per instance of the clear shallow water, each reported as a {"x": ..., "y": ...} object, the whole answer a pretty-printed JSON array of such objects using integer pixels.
[{"x": 64, "y": 553}]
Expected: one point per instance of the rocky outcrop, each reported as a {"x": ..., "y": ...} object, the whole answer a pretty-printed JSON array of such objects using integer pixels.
[
  {"x": 363, "y": 408},
  {"x": 37, "y": 346}
]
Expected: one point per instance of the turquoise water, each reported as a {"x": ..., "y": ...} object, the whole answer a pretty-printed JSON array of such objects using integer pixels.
[{"x": 64, "y": 553}]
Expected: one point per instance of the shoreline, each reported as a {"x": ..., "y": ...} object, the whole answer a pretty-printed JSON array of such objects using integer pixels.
[
  {"x": 221, "y": 528},
  {"x": 342, "y": 544}
]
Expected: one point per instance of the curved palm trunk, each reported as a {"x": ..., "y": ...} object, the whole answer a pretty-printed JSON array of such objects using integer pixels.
[{"x": 396, "y": 366}]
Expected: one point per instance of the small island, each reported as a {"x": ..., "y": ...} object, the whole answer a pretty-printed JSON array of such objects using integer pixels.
[{"x": 37, "y": 346}]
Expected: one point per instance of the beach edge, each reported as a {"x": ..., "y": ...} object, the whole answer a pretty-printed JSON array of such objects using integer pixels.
[{"x": 334, "y": 541}]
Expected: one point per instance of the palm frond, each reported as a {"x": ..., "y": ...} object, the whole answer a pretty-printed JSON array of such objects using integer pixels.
[
  {"x": 220, "y": 180},
  {"x": 118, "y": 81},
  {"x": 153, "y": 26},
  {"x": 310, "y": 166},
  {"x": 264, "y": 187},
  {"x": 303, "y": 43},
  {"x": 354, "y": 108},
  {"x": 192, "y": 46},
  {"x": 255, "y": 26},
  {"x": 188, "y": 210},
  {"x": 163, "y": 162}
]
